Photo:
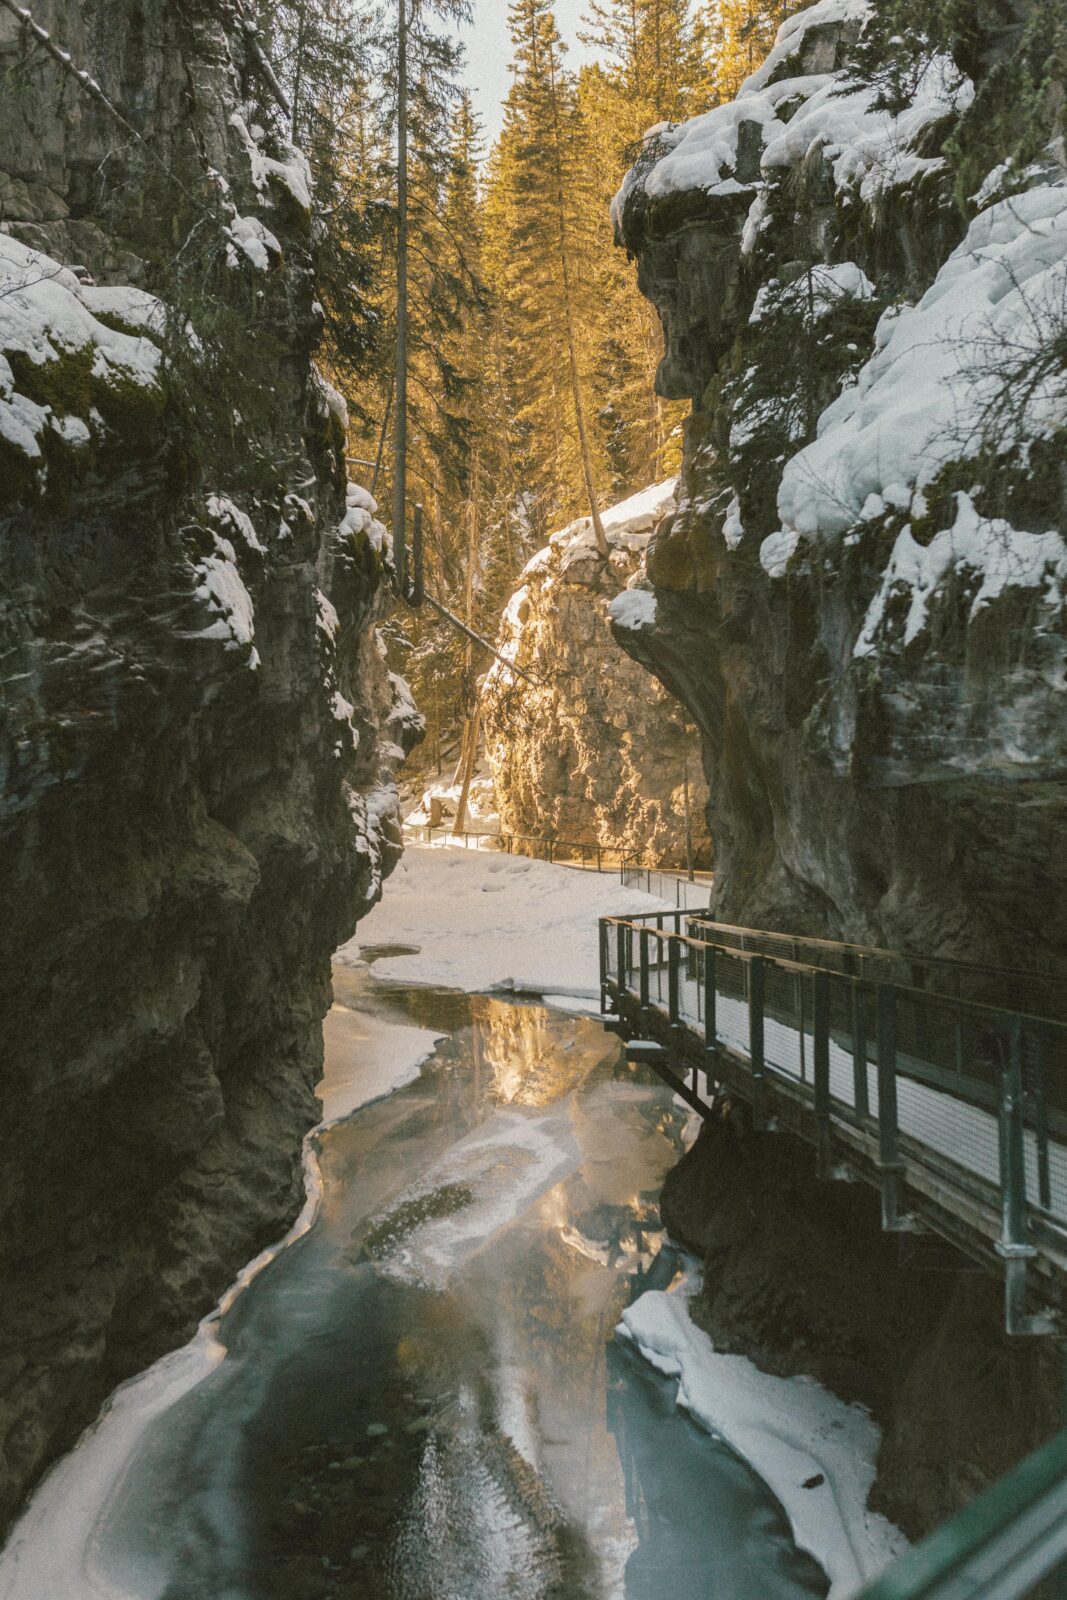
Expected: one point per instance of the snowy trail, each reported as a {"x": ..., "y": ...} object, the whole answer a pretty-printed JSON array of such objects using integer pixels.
[{"x": 482, "y": 920}]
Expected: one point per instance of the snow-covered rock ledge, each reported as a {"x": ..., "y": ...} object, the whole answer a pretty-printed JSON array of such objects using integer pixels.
[
  {"x": 861, "y": 597},
  {"x": 583, "y": 748}
]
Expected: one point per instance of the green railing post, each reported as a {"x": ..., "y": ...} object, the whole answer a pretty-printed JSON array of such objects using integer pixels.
[
  {"x": 710, "y": 1020},
  {"x": 1013, "y": 1246},
  {"x": 821, "y": 1023},
  {"x": 711, "y": 1036},
  {"x": 620, "y": 955},
  {"x": 603, "y": 926},
  {"x": 860, "y": 1098},
  {"x": 643, "y": 942},
  {"x": 1040, "y": 1097},
  {"x": 889, "y": 1162},
  {"x": 756, "y": 990},
  {"x": 672, "y": 982}
]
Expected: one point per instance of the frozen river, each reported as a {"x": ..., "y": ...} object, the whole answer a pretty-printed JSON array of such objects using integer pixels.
[{"x": 421, "y": 1397}]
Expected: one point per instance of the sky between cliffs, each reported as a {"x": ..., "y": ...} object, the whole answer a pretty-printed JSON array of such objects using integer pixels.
[{"x": 489, "y": 48}]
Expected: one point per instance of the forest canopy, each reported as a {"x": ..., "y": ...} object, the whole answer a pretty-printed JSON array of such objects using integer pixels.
[{"x": 532, "y": 358}]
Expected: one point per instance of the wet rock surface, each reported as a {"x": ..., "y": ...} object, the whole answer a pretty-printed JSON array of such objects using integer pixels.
[
  {"x": 197, "y": 729},
  {"x": 880, "y": 768},
  {"x": 799, "y": 1276}
]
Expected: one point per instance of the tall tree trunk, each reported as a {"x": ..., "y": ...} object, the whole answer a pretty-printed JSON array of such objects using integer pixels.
[
  {"x": 475, "y": 728},
  {"x": 461, "y": 764},
  {"x": 568, "y": 323},
  {"x": 579, "y": 415},
  {"x": 298, "y": 74},
  {"x": 401, "y": 422}
]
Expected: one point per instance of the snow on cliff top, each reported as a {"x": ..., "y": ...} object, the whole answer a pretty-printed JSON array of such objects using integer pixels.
[
  {"x": 46, "y": 313},
  {"x": 870, "y": 149},
  {"x": 627, "y": 526},
  {"x": 940, "y": 369}
]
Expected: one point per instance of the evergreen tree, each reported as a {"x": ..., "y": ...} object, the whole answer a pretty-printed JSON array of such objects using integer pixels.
[
  {"x": 656, "y": 57},
  {"x": 742, "y": 33},
  {"x": 545, "y": 212}
]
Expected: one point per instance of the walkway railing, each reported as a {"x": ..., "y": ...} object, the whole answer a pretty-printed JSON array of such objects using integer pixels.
[
  {"x": 688, "y": 894},
  {"x": 666, "y": 883},
  {"x": 955, "y": 1109},
  {"x": 1003, "y": 1546},
  {"x": 1019, "y": 989}
]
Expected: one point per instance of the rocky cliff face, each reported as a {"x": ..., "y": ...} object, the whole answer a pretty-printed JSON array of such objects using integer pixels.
[
  {"x": 860, "y": 597},
  {"x": 591, "y": 750},
  {"x": 800, "y": 1277},
  {"x": 198, "y": 730}
]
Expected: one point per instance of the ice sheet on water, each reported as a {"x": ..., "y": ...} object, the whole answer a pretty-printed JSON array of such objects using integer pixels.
[
  {"x": 791, "y": 1430},
  {"x": 482, "y": 1185}
]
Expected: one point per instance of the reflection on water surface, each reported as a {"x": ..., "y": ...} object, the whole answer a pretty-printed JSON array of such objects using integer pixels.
[{"x": 422, "y": 1399}]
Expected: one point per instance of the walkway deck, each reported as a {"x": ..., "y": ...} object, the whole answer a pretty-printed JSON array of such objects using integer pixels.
[{"x": 954, "y": 1108}]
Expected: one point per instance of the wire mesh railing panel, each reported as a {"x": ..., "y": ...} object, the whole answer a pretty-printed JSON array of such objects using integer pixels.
[
  {"x": 732, "y": 1027},
  {"x": 1020, "y": 990},
  {"x": 789, "y": 1042},
  {"x": 690, "y": 989},
  {"x": 962, "y": 1088}
]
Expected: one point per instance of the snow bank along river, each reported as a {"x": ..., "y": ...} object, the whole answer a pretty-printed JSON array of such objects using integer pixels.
[{"x": 419, "y": 1396}]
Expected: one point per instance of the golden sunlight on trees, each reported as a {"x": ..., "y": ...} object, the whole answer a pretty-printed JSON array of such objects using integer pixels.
[{"x": 532, "y": 357}]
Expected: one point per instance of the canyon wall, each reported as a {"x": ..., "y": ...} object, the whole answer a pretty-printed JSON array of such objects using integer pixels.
[
  {"x": 586, "y": 747},
  {"x": 799, "y": 1276},
  {"x": 860, "y": 265},
  {"x": 198, "y": 732},
  {"x": 861, "y": 270}
]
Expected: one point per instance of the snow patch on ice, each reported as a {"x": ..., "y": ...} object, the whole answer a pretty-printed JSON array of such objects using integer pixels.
[
  {"x": 790, "y": 1430},
  {"x": 504, "y": 1166},
  {"x": 368, "y": 1058}
]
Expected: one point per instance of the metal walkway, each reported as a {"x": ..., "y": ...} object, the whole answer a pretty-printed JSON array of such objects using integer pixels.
[{"x": 941, "y": 1083}]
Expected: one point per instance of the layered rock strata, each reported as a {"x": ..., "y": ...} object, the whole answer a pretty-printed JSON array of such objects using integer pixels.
[
  {"x": 198, "y": 731},
  {"x": 860, "y": 597},
  {"x": 586, "y": 747}
]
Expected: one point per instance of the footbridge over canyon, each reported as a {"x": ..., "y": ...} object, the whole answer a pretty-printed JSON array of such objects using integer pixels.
[{"x": 941, "y": 1083}]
